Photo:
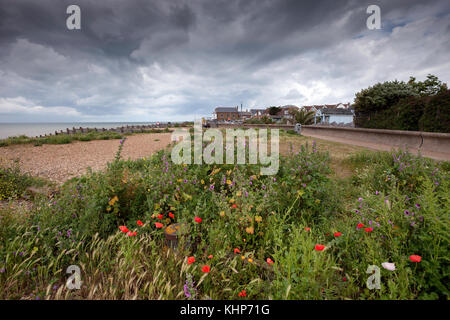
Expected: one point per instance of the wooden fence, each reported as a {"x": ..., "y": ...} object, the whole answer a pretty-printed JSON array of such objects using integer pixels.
[{"x": 124, "y": 129}]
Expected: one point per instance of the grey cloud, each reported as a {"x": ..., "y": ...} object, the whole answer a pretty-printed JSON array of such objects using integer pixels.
[{"x": 176, "y": 59}]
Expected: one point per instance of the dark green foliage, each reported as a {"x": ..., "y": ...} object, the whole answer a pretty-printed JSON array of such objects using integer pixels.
[
  {"x": 415, "y": 106},
  {"x": 436, "y": 115}
]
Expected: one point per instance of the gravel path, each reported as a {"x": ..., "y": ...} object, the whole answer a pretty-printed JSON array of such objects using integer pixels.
[{"x": 64, "y": 161}]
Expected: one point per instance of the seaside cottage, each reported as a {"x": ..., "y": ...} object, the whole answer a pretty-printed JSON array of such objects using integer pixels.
[
  {"x": 337, "y": 115},
  {"x": 226, "y": 113}
]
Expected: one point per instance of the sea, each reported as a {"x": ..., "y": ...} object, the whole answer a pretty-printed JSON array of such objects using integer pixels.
[{"x": 36, "y": 129}]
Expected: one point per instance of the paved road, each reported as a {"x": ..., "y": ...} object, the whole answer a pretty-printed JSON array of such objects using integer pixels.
[{"x": 384, "y": 147}]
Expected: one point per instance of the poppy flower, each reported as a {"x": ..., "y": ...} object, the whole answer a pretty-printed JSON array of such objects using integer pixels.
[
  {"x": 307, "y": 229},
  {"x": 197, "y": 219},
  {"x": 206, "y": 269},
  {"x": 160, "y": 216},
  {"x": 344, "y": 279},
  {"x": 269, "y": 261},
  {"x": 337, "y": 234},
  {"x": 139, "y": 223},
  {"x": 236, "y": 250},
  {"x": 124, "y": 229},
  {"x": 171, "y": 215},
  {"x": 319, "y": 247},
  {"x": 130, "y": 234},
  {"x": 158, "y": 225},
  {"x": 368, "y": 229},
  {"x": 210, "y": 256},
  {"x": 242, "y": 293},
  {"x": 190, "y": 260},
  {"x": 360, "y": 225},
  {"x": 415, "y": 258},
  {"x": 234, "y": 206}
]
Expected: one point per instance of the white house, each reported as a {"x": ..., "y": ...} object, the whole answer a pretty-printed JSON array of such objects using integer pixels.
[{"x": 337, "y": 115}]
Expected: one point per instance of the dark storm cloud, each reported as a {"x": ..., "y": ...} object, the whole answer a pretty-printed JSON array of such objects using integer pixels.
[{"x": 163, "y": 60}]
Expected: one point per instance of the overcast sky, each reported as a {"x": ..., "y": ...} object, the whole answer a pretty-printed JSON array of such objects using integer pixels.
[{"x": 173, "y": 60}]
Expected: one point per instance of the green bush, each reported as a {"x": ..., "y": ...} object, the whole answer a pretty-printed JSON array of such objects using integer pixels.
[
  {"x": 417, "y": 106},
  {"x": 13, "y": 182},
  {"x": 436, "y": 115}
]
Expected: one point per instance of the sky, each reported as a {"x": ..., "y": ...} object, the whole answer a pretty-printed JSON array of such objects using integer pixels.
[{"x": 176, "y": 60}]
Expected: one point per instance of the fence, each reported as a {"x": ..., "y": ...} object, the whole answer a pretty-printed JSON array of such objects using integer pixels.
[{"x": 123, "y": 129}]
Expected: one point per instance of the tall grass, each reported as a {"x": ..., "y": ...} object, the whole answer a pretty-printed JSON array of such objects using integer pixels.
[{"x": 248, "y": 221}]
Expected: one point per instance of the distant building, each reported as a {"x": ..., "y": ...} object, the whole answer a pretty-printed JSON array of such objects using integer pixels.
[
  {"x": 256, "y": 113},
  {"x": 336, "y": 115},
  {"x": 284, "y": 113},
  {"x": 244, "y": 115},
  {"x": 315, "y": 108},
  {"x": 226, "y": 113}
]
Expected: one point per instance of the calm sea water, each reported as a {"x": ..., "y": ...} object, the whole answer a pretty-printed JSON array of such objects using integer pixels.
[{"x": 36, "y": 129}]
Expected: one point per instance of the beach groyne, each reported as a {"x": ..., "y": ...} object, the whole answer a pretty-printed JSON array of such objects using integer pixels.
[{"x": 122, "y": 129}]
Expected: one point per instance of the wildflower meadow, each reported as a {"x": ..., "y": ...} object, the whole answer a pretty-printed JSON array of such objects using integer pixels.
[{"x": 302, "y": 233}]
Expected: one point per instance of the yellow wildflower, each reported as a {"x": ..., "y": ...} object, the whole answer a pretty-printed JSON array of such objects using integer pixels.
[
  {"x": 113, "y": 200},
  {"x": 258, "y": 218},
  {"x": 250, "y": 230}
]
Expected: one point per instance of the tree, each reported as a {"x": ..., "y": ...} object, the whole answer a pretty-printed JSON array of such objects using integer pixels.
[
  {"x": 274, "y": 110},
  {"x": 429, "y": 87},
  {"x": 302, "y": 116},
  {"x": 382, "y": 96}
]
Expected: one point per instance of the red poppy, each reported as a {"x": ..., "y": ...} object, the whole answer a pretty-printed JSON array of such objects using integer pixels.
[
  {"x": 319, "y": 247},
  {"x": 344, "y": 279},
  {"x": 337, "y": 234},
  {"x": 210, "y": 256},
  {"x": 234, "y": 206},
  {"x": 415, "y": 258},
  {"x": 197, "y": 219},
  {"x": 171, "y": 215},
  {"x": 307, "y": 229},
  {"x": 130, "y": 234},
  {"x": 206, "y": 269},
  {"x": 190, "y": 260},
  {"x": 160, "y": 216},
  {"x": 242, "y": 293},
  {"x": 368, "y": 229},
  {"x": 269, "y": 261},
  {"x": 139, "y": 223},
  {"x": 360, "y": 225},
  {"x": 236, "y": 250},
  {"x": 124, "y": 229},
  {"x": 158, "y": 225}
]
